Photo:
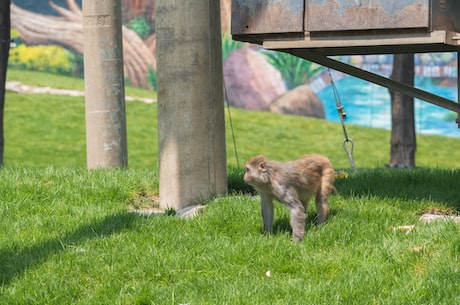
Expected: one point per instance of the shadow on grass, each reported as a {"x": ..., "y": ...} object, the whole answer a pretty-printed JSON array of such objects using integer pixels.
[
  {"x": 440, "y": 185},
  {"x": 14, "y": 261},
  {"x": 236, "y": 183},
  {"x": 437, "y": 185},
  {"x": 282, "y": 225}
]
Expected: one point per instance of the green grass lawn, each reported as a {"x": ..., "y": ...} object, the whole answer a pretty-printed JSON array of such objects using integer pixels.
[
  {"x": 67, "y": 236},
  {"x": 43, "y": 130}
]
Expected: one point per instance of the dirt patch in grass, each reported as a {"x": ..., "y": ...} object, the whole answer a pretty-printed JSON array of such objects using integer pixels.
[
  {"x": 145, "y": 203},
  {"x": 435, "y": 214},
  {"x": 441, "y": 211}
]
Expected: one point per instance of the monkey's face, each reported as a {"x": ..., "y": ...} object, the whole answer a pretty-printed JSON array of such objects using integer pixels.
[
  {"x": 255, "y": 173},
  {"x": 247, "y": 174}
]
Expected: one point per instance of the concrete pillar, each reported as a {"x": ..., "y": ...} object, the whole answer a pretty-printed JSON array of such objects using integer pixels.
[
  {"x": 104, "y": 85},
  {"x": 5, "y": 28},
  {"x": 191, "y": 121}
]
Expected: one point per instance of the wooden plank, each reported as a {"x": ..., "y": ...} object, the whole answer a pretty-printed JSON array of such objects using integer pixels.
[
  {"x": 436, "y": 41},
  {"x": 333, "y": 41}
]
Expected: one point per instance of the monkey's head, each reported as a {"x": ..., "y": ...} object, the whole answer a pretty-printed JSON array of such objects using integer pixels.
[{"x": 256, "y": 171}]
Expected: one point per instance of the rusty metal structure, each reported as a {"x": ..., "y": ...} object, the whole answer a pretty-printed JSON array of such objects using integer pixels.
[{"x": 317, "y": 29}]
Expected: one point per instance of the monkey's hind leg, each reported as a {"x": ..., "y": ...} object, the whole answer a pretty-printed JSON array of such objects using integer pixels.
[
  {"x": 297, "y": 222},
  {"x": 322, "y": 202},
  {"x": 322, "y": 208}
]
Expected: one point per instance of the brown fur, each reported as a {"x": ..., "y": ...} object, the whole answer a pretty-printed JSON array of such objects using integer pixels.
[{"x": 292, "y": 183}]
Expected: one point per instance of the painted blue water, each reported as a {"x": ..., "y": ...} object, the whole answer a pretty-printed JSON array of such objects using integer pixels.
[{"x": 367, "y": 104}]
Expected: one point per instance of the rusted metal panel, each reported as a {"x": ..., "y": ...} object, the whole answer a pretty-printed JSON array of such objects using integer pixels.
[
  {"x": 445, "y": 15},
  {"x": 335, "y": 27},
  {"x": 341, "y": 15},
  {"x": 267, "y": 16}
]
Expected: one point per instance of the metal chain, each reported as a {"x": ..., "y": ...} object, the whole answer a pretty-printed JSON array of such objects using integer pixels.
[
  {"x": 231, "y": 126},
  {"x": 343, "y": 117}
]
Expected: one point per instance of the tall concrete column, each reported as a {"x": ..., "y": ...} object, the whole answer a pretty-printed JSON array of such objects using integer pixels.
[
  {"x": 191, "y": 125},
  {"x": 5, "y": 28},
  {"x": 104, "y": 85}
]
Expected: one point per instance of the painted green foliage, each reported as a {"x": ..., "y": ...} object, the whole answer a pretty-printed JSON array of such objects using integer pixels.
[{"x": 294, "y": 70}]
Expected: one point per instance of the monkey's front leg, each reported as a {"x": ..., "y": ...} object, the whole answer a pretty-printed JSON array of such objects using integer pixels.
[
  {"x": 297, "y": 221},
  {"x": 267, "y": 211}
]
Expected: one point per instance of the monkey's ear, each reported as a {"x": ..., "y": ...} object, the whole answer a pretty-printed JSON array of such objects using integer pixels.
[{"x": 262, "y": 166}]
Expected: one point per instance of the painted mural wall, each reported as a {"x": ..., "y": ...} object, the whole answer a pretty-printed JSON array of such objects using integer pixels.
[
  {"x": 369, "y": 105},
  {"x": 42, "y": 42},
  {"x": 49, "y": 37}
]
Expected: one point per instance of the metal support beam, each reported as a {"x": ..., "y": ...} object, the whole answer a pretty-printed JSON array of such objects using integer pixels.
[{"x": 375, "y": 78}]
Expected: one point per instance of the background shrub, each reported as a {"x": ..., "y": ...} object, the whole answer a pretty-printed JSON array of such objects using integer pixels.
[
  {"x": 295, "y": 70},
  {"x": 229, "y": 45},
  {"x": 47, "y": 58}
]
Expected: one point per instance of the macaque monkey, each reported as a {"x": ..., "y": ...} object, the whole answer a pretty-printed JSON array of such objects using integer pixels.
[{"x": 292, "y": 183}]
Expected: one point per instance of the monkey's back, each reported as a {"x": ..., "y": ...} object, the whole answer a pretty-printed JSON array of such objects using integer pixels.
[
  {"x": 303, "y": 172},
  {"x": 325, "y": 170}
]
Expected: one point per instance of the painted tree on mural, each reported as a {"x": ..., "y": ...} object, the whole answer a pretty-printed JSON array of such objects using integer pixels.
[
  {"x": 4, "y": 52},
  {"x": 136, "y": 8},
  {"x": 403, "y": 140},
  {"x": 67, "y": 31}
]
